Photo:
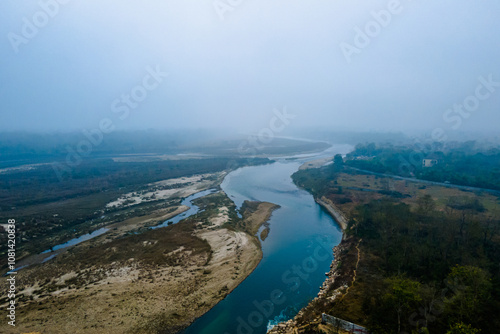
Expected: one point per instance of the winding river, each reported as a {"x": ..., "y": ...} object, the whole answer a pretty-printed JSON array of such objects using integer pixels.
[{"x": 297, "y": 252}]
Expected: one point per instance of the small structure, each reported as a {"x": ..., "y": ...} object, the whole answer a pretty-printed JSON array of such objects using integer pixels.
[
  {"x": 429, "y": 163},
  {"x": 342, "y": 324}
]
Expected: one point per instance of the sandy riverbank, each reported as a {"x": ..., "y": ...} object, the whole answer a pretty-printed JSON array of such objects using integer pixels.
[
  {"x": 337, "y": 215},
  {"x": 162, "y": 190},
  {"x": 159, "y": 280},
  {"x": 315, "y": 163},
  {"x": 114, "y": 230}
]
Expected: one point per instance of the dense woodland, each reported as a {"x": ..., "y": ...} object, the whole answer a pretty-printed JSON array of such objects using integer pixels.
[
  {"x": 445, "y": 263},
  {"x": 463, "y": 164},
  {"x": 423, "y": 269}
]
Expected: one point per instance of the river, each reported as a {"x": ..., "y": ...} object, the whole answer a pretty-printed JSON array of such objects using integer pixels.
[{"x": 297, "y": 252}]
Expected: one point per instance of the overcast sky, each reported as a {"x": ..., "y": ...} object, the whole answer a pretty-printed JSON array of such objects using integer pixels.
[{"x": 230, "y": 63}]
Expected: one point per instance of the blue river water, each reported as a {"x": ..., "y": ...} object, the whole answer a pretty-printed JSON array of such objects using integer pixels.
[
  {"x": 297, "y": 252},
  {"x": 76, "y": 241},
  {"x": 188, "y": 201}
]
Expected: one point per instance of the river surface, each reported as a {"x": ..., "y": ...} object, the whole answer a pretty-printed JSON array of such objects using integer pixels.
[
  {"x": 297, "y": 252},
  {"x": 193, "y": 209}
]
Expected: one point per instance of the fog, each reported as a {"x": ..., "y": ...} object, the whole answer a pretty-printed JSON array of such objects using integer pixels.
[{"x": 350, "y": 65}]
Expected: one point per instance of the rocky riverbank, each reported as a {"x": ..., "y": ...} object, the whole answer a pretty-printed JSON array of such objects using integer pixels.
[{"x": 339, "y": 278}]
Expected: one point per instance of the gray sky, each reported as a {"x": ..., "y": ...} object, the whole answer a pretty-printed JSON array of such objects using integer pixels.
[{"x": 71, "y": 65}]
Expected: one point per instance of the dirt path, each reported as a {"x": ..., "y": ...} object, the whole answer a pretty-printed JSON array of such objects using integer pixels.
[{"x": 354, "y": 271}]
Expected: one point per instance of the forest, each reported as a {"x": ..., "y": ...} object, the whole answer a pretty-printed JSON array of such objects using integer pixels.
[
  {"x": 445, "y": 263},
  {"x": 428, "y": 261},
  {"x": 466, "y": 164}
]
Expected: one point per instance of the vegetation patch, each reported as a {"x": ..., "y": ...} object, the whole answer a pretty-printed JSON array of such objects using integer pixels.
[{"x": 428, "y": 255}]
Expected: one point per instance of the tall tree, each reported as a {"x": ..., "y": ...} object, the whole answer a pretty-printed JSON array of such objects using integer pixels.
[
  {"x": 403, "y": 295},
  {"x": 471, "y": 287},
  {"x": 338, "y": 163}
]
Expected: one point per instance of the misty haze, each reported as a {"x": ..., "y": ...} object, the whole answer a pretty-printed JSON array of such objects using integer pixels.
[{"x": 249, "y": 167}]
